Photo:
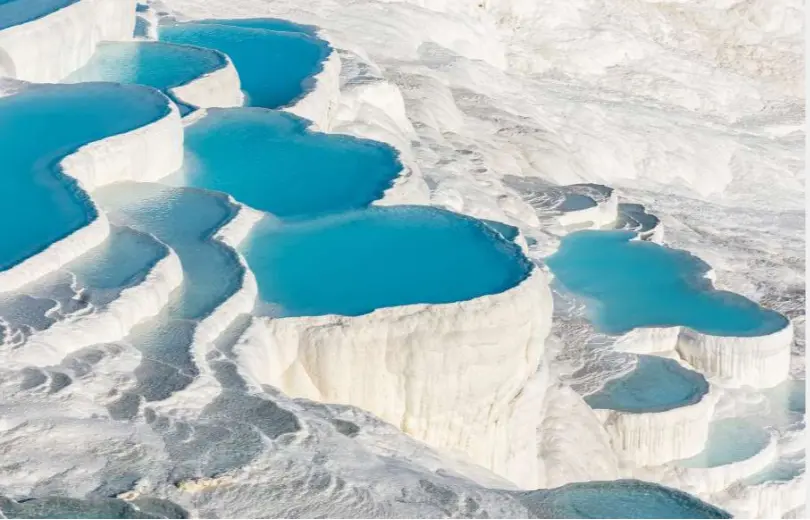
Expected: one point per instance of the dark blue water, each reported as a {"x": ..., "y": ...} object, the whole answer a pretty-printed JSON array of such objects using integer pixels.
[
  {"x": 270, "y": 161},
  {"x": 16, "y": 12},
  {"x": 656, "y": 384},
  {"x": 159, "y": 65},
  {"x": 40, "y": 126},
  {"x": 617, "y": 499},
  {"x": 275, "y": 67},
  {"x": 629, "y": 284},
  {"x": 354, "y": 263}
]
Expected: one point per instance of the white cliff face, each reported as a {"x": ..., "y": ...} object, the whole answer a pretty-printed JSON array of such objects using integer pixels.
[
  {"x": 143, "y": 154},
  {"x": 653, "y": 438},
  {"x": 220, "y": 88},
  {"x": 759, "y": 361},
  {"x": 49, "y": 48},
  {"x": 447, "y": 374},
  {"x": 572, "y": 444}
]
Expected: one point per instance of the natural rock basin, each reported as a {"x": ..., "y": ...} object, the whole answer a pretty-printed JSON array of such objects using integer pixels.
[
  {"x": 730, "y": 440},
  {"x": 629, "y": 284},
  {"x": 618, "y": 499},
  {"x": 270, "y": 161},
  {"x": 275, "y": 66},
  {"x": 154, "y": 64},
  {"x": 38, "y": 128},
  {"x": 655, "y": 385},
  {"x": 356, "y": 262}
]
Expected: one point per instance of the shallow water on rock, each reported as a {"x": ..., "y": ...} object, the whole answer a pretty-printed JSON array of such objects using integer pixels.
[
  {"x": 730, "y": 440},
  {"x": 655, "y": 385},
  {"x": 275, "y": 66},
  {"x": 629, "y": 283},
  {"x": 271, "y": 162},
  {"x": 617, "y": 499},
  {"x": 39, "y": 127},
  {"x": 354, "y": 263},
  {"x": 154, "y": 64}
]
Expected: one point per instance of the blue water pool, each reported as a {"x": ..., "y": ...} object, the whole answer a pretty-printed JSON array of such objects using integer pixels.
[
  {"x": 155, "y": 64},
  {"x": 270, "y": 161},
  {"x": 275, "y": 67},
  {"x": 40, "y": 126},
  {"x": 730, "y": 440},
  {"x": 16, "y": 12},
  {"x": 272, "y": 24},
  {"x": 354, "y": 263},
  {"x": 616, "y": 499},
  {"x": 656, "y": 384},
  {"x": 629, "y": 284}
]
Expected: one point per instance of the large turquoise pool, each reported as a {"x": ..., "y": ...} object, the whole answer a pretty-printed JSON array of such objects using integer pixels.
[
  {"x": 356, "y": 262},
  {"x": 270, "y": 161}
]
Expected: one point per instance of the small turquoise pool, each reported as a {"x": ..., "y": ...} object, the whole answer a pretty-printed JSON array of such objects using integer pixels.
[
  {"x": 629, "y": 284},
  {"x": 616, "y": 499},
  {"x": 159, "y": 65},
  {"x": 656, "y": 385},
  {"x": 356, "y": 262},
  {"x": 275, "y": 66},
  {"x": 16, "y": 12},
  {"x": 40, "y": 126},
  {"x": 730, "y": 440},
  {"x": 271, "y": 162}
]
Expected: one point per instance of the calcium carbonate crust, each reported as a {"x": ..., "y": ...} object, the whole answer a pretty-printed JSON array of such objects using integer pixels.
[
  {"x": 654, "y": 438},
  {"x": 144, "y": 154},
  {"x": 50, "y": 48},
  {"x": 447, "y": 374},
  {"x": 218, "y": 88},
  {"x": 757, "y": 361}
]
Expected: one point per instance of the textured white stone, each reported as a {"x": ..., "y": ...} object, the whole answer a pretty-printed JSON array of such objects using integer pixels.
[
  {"x": 322, "y": 96},
  {"x": 218, "y": 88},
  {"x": 48, "y": 49},
  {"x": 448, "y": 374},
  {"x": 113, "y": 322},
  {"x": 757, "y": 361}
]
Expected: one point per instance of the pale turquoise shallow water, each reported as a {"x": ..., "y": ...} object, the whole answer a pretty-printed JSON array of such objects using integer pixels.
[
  {"x": 40, "y": 126},
  {"x": 629, "y": 284},
  {"x": 656, "y": 384},
  {"x": 271, "y": 162},
  {"x": 275, "y": 66},
  {"x": 154, "y": 64},
  {"x": 353, "y": 263},
  {"x": 730, "y": 440}
]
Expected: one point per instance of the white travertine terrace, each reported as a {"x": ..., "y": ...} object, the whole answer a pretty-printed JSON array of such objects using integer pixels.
[
  {"x": 143, "y": 154},
  {"x": 448, "y": 374},
  {"x": 49, "y": 48},
  {"x": 219, "y": 88}
]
